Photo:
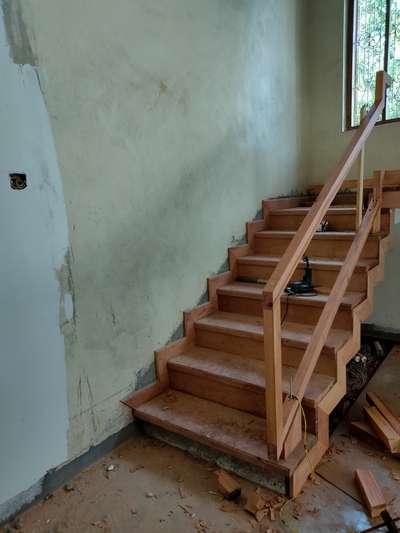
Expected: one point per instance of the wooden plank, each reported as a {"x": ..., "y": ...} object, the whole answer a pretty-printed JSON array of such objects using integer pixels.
[
  {"x": 352, "y": 453},
  {"x": 374, "y": 399},
  {"x": 313, "y": 351},
  {"x": 387, "y": 434},
  {"x": 371, "y": 492},
  {"x": 391, "y": 199}
]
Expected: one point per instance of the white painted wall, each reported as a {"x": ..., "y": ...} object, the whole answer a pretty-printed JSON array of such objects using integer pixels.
[{"x": 33, "y": 243}]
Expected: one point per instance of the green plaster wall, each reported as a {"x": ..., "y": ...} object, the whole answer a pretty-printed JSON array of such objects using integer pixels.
[{"x": 172, "y": 120}]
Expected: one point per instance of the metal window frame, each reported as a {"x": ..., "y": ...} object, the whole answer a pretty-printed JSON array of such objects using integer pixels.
[{"x": 350, "y": 62}]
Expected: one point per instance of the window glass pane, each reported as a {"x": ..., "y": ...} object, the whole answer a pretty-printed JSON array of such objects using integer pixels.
[
  {"x": 393, "y": 95},
  {"x": 369, "y": 52}
]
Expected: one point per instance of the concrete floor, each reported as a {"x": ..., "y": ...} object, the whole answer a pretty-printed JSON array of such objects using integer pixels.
[{"x": 155, "y": 487}]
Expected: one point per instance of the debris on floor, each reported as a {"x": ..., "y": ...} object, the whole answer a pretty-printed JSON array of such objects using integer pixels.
[
  {"x": 359, "y": 371},
  {"x": 371, "y": 492},
  {"x": 228, "y": 486}
]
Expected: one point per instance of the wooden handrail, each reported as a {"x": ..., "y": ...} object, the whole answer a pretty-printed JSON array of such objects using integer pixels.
[
  {"x": 360, "y": 183},
  {"x": 297, "y": 247},
  {"x": 279, "y": 416},
  {"x": 321, "y": 331}
]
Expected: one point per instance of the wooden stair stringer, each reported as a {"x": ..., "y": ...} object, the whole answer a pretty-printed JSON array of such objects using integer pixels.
[{"x": 360, "y": 313}]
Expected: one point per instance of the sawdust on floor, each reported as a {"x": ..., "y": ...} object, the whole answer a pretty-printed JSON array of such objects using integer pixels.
[{"x": 147, "y": 486}]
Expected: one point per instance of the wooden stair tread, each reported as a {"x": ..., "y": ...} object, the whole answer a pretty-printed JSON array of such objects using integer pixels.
[
  {"x": 335, "y": 210},
  {"x": 244, "y": 372},
  {"x": 330, "y": 235},
  {"x": 229, "y": 430},
  {"x": 320, "y": 263},
  {"x": 252, "y": 326},
  {"x": 241, "y": 289}
]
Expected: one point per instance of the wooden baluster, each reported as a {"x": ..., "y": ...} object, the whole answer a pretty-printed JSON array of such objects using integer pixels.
[
  {"x": 360, "y": 184},
  {"x": 273, "y": 375},
  {"x": 379, "y": 176}
]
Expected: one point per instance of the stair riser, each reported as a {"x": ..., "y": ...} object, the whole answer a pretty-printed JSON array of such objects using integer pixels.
[
  {"x": 250, "y": 347},
  {"x": 238, "y": 397},
  {"x": 341, "y": 199},
  {"x": 319, "y": 247},
  {"x": 295, "y": 312},
  {"x": 321, "y": 278},
  {"x": 337, "y": 222}
]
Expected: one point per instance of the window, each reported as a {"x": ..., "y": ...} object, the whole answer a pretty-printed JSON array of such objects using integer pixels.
[{"x": 373, "y": 44}]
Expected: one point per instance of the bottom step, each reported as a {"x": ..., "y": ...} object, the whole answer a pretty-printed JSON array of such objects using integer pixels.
[{"x": 228, "y": 430}]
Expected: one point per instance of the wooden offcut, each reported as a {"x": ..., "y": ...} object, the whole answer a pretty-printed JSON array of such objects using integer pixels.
[
  {"x": 385, "y": 411},
  {"x": 371, "y": 492},
  {"x": 228, "y": 486},
  {"x": 384, "y": 430},
  {"x": 364, "y": 432},
  {"x": 255, "y": 503}
]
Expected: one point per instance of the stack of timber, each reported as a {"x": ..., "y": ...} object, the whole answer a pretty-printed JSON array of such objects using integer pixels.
[{"x": 381, "y": 427}]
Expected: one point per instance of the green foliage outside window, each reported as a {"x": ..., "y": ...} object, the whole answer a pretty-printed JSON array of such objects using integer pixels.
[{"x": 376, "y": 46}]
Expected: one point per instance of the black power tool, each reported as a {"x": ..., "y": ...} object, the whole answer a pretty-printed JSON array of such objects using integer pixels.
[{"x": 305, "y": 285}]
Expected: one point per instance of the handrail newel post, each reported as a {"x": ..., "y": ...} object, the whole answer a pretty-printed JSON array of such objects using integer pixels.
[{"x": 273, "y": 373}]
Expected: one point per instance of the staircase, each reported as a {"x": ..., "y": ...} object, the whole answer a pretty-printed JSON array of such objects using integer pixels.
[{"x": 258, "y": 371}]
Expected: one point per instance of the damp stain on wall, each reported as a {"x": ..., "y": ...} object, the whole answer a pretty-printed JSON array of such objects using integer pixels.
[{"x": 17, "y": 35}]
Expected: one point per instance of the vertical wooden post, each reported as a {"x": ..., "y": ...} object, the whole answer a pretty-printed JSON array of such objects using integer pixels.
[
  {"x": 381, "y": 82},
  {"x": 379, "y": 176},
  {"x": 273, "y": 377},
  {"x": 360, "y": 184}
]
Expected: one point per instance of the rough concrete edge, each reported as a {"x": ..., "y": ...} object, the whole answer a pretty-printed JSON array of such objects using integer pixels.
[
  {"x": 227, "y": 462},
  {"x": 57, "y": 477}
]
